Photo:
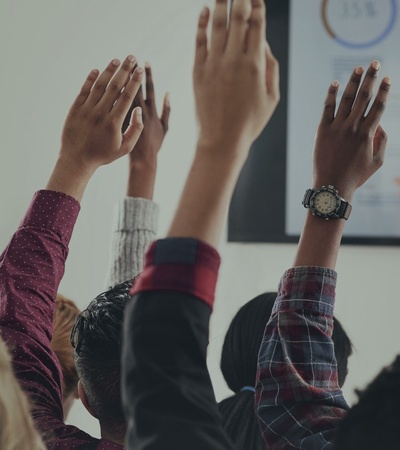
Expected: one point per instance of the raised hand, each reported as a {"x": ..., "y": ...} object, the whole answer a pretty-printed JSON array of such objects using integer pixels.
[
  {"x": 92, "y": 130},
  {"x": 236, "y": 80},
  {"x": 350, "y": 145},
  {"x": 92, "y": 133},
  {"x": 349, "y": 148},
  {"x": 236, "y": 85},
  {"x": 155, "y": 127},
  {"x": 143, "y": 158}
]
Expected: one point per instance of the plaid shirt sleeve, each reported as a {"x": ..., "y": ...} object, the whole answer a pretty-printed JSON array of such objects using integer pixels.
[{"x": 298, "y": 400}]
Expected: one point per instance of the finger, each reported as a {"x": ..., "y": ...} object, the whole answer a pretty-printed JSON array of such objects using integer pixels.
[
  {"x": 219, "y": 28},
  {"x": 201, "y": 38},
  {"x": 150, "y": 94},
  {"x": 349, "y": 94},
  {"x": 165, "y": 113},
  {"x": 102, "y": 82},
  {"x": 86, "y": 88},
  {"x": 380, "y": 142},
  {"x": 126, "y": 98},
  {"x": 137, "y": 101},
  {"x": 133, "y": 132},
  {"x": 273, "y": 72},
  {"x": 375, "y": 114},
  {"x": 117, "y": 83},
  {"x": 238, "y": 26},
  {"x": 256, "y": 34},
  {"x": 366, "y": 91},
  {"x": 330, "y": 103}
]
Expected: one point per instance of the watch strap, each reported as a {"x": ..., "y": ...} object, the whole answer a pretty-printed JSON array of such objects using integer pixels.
[
  {"x": 344, "y": 210},
  {"x": 307, "y": 197}
]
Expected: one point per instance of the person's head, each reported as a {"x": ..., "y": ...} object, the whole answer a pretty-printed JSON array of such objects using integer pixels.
[
  {"x": 65, "y": 314},
  {"x": 97, "y": 338},
  {"x": 239, "y": 367},
  {"x": 16, "y": 426},
  {"x": 373, "y": 422}
]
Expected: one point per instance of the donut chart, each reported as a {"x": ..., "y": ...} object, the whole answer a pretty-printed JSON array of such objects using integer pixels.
[{"x": 359, "y": 24}]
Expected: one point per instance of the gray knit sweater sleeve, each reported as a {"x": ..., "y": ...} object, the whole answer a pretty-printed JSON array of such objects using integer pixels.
[{"x": 135, "y": 226}]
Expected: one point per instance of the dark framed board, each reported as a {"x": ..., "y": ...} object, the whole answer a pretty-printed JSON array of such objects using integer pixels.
[{"x": 317, "y": 41}]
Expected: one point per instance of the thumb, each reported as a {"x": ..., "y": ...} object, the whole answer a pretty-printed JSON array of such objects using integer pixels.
[
  {"x": 133, "y": 132},
  {"x": 380, "y": 141}
]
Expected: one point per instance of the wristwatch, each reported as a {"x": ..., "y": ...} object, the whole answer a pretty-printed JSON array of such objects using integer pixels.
[{"x": 326, "y": 203}]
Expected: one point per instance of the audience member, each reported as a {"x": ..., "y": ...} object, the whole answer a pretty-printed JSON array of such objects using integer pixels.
[
  {"x": 135, "y": 227},
  {"x": 136, "y": 216},
  {"x": 239, "y": 368},
  {"x": 16, "y": 426},
  {"x": 298, "y": 398},
  {"x": 167, "y": 391},
  {"x": 32, "y": 264}
]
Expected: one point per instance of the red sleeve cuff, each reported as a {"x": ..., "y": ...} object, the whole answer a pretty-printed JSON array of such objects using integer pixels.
[{"x": 180, "y": 264}]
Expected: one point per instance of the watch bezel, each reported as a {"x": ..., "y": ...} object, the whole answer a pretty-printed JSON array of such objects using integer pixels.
[{"x": 333, "y": 214}]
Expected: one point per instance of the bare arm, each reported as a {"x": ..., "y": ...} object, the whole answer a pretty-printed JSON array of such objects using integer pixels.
[
  {"x": 349, "y": 149},
  {"x": 236, "y": 83},
  {"x": 143, "y": 159}
]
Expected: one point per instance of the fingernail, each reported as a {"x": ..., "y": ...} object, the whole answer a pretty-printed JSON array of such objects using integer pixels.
[
  {"x": 358, "y": 70},
  {"x": 204, "y": 11},
  {"x": 139, "y": 70},
  {"x": 139, "y": 111},
  {"x": 95, "y": 71},
  {"x": 335, "y": 84},
  {"x": 131, "y": 58},
  {"x": 167, "y": 99},
  {"x": 115, "y": 62},
  {"x": 376, "y": 64},
  {"x": 388, "y": 81},
  {"x": 147, "y": 65}
]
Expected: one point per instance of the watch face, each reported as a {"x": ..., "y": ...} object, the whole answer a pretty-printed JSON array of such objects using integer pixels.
[{"x": 325, "y": 202}]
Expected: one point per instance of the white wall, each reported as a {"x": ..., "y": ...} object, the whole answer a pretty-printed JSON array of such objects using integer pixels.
[{"x": 47, "y": 48}]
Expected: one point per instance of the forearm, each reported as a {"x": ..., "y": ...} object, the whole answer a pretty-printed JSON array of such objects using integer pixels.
[
  {"x": 169, "y": 319},
  {"x": 142, "y": 176},
  {"x": 208, "y": 190},
  {"x": 135, "y": 226},
  {"x": 319, "y": 242},
  {"x": 69, "y": 177}
]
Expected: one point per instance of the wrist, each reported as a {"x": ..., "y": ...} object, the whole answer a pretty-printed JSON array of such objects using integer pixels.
[
  {"x": 138, "y": 165},
  {"x": 222, "y": 151},
  {"x": 70, "y": 177},
  {"x": 141, "y": 180}
]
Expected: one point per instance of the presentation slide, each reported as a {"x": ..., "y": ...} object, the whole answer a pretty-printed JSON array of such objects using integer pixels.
[{"x": 327, "y": 39}]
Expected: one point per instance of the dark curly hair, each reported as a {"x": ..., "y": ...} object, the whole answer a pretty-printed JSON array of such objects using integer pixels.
[{"x": 97, "y": 340}]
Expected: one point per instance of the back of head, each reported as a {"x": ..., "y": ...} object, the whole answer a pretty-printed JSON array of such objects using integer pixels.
[
  {"x": 65, "y": 314},
  {"x": 373, "y": 423},
  {"x": 16, "y": 426},
  {"x": 97, "y": 338},
  {"x": 239, "y": 367}
]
